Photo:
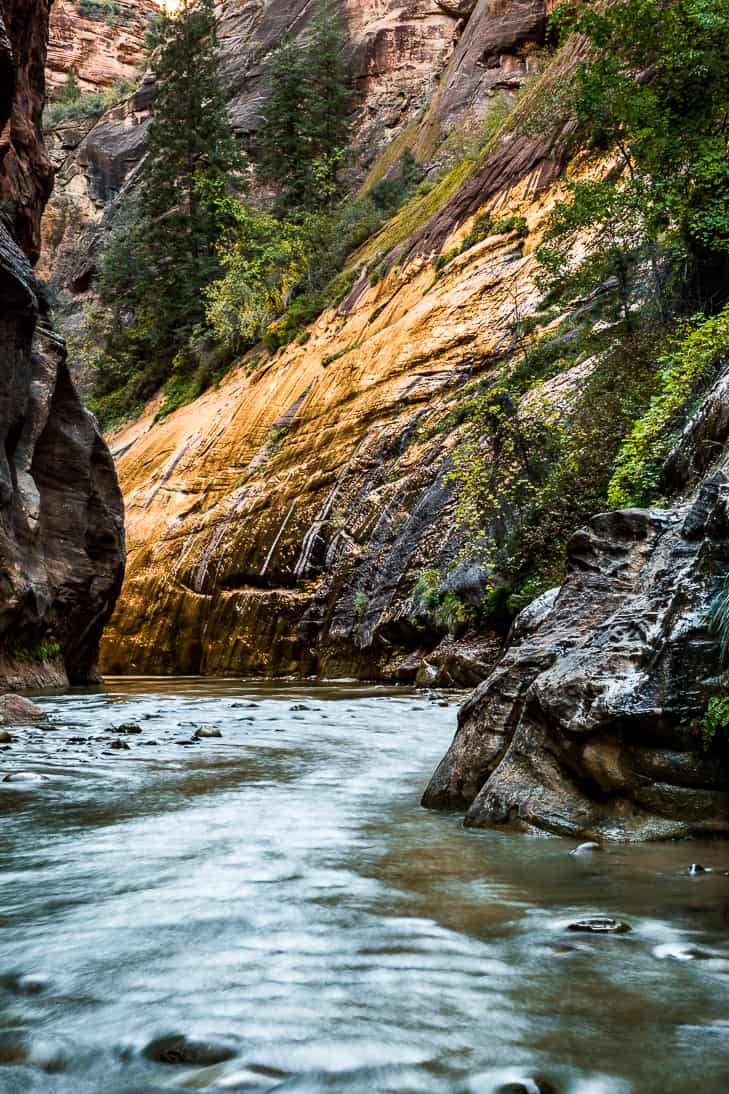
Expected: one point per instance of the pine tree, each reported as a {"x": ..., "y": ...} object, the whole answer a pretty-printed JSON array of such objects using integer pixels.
[
  {"x": 328, "y": 93},
  {"x": 192, "y": 159},
  {"x": 284, "y": 138},
  {"x": 305, "y": 122}
]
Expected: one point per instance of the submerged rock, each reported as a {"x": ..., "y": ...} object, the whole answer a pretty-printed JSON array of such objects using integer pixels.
[
  {"x": 177, "y": 1049},
  {"x": 586, "y": 848},
  {"x": 207, "y": 731},
  {"x": 598, "y": 924},
  {"x": 127, "y": 727}
]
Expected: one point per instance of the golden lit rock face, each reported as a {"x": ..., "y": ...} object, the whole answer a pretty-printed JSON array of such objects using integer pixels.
[
  {"x": 100, "y": 51},
  {"x": 278, "y": 523}
]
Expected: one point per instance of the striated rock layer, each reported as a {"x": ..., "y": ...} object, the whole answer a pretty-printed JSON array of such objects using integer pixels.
[
  {"x": 102, "y": 47},
  {"x": 61, "y": 534},
  {"x": 279, "y": 523}
]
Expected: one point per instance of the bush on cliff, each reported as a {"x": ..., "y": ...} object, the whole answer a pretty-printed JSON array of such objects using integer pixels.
[{"x": 698, "y": 346}]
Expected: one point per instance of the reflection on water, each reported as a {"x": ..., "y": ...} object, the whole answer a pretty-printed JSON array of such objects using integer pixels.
[{"x": 276, "y": 902}]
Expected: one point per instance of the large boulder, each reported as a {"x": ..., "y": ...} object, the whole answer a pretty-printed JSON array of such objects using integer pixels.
[{"x": 588, "y": 723}]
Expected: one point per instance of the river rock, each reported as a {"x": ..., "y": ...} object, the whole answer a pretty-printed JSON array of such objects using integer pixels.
[
  {"x": 584, "y": 727},
  {"x": 16, "y": 710},
  {"x": 119, "y": 744},
  {"x": 697, "y": 868},
  {"x": 207, "y": 731},
  {"x": 586, "y": 848},
  {"x": 177, "y": 1049},
  {"x": 33, "y": 984},
  {"x": 128, "y": 727},
  {"x": 5, "y": 737},
  {"x": 598, "y": 924}
]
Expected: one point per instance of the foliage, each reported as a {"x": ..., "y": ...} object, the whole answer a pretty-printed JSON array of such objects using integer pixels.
[
  {"x": 263, "y": 259},
  {"x": 719, "y": 617},
  {"x": 164, "y": 247},
  {"x": 698, "y": 346},
  {"x": 47, "y": 650},
  {"x": 305, "y": 118},
  {"x": 528, "y": 471},
  {"x": 715, "y": 722},
  {"x": 108, "y": 11},
  {"x": 361, "y": 600},
  {"x": 448, "y": 611},
  {"x": 653, "y": 93},
  {"x": 512, "y": 224},
  {"x": 75, "y": 105},
  {"x": 426, "y": 589}
]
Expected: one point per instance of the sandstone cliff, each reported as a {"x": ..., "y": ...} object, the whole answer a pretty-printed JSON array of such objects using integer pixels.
[
  {"x": 102, "y": 45},
  {"x": 61, "y": 536}
]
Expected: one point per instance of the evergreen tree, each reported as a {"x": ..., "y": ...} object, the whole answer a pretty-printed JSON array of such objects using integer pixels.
[
  {"x": 328, "y": 98},
  {"x": 192, "y": 158},
  {"x": 163, "y": 249},
  {"x": 305, "y": 120},
  {"x": 284, "y": 137}
]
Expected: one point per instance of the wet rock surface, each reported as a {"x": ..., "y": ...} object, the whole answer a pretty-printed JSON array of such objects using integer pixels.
[
  {"x": 15, "y": 710},
  {"x": 588, "y": 723}
]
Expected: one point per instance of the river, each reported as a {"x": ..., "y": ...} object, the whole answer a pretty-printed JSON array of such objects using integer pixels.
[{"x": 272, "y": 910}]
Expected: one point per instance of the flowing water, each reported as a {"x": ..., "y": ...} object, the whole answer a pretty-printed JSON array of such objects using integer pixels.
[{"x": 278, "y": 898}]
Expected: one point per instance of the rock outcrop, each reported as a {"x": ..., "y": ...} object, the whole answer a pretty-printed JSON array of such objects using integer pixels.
[
  {"x": 588, "y": 724},
  {"x": 61, "y": 534},
  {"x": 102, "y": 44}
]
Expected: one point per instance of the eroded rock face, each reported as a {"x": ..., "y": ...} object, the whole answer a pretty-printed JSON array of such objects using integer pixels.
[
  {"x": 25, "y": 170},
  {"x": 101, "y": 50},
  {"x": 61, "y": 534},
  {"x": 587, "y": 724}
]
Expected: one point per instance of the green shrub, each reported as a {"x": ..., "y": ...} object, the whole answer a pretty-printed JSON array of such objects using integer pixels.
[
  {"x": 715, "y": 723},
  {"x": 511, "y": 224},
  {"x": 87, "y": 104},
  {"x": 699, "y": 346},
  {"x": 447, "y": 256},
  {"x": 452, "y": 614},
  {"x": 426, "y": 589},
  {"x": 48, "y": 650},
  {"x": 361, "y": 600},
  {"x": 482, "y": 228}
]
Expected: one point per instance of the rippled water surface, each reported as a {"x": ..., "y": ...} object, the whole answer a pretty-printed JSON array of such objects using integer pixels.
[{"x": 278, "y": 897}]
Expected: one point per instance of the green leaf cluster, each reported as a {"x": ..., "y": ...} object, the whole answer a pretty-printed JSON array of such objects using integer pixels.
[
  {"x": 699, "y": 345},
  {"x": 715, "y": 723},
  {"x": 653, "y": 94}
]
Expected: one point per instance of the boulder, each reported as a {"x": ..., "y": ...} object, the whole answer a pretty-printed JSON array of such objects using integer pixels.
[{"x": 15, "y": 710}]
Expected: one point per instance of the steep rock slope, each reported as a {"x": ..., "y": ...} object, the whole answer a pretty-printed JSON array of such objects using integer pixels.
[
  {"x": 279, "y": 523},
  {"x": 61, "y": 535},
  {"x": 102, "y": 46}
]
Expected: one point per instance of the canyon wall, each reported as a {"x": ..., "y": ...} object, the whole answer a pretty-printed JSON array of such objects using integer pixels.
[
  {"x": 282, "y": 523},
  {"x": 61, "y": 513},
  {"x": 102, "y": 44}
]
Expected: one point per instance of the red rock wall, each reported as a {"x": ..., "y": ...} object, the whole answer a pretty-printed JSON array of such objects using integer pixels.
[
  {"x": 100, "y": 51},
  {"x": 25, "y": 171}
]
